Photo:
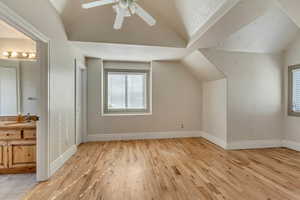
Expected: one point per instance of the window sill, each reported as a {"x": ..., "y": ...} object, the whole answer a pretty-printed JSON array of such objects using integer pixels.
[
  {"x": 124, "y": 114},
  {"x": 293, "y": 114}
]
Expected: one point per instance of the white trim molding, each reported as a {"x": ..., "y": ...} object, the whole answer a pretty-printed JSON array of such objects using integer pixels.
[
  {"x": 291, "y": 145},
  {"x": 60, "y": 161},
  {"x": 12, "y": 18},
  {"x": 142, "y": 136},
  {"x": 254, "y": 144},
  {"x": 214, "y": 139}
]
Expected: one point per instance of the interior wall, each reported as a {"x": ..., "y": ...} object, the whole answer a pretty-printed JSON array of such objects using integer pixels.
[
  {"x": 176, "y": 101},
  {"x": 214, "y": 110},
  {"x": 254, "y": 94},
  {"x": 291, "y": 128},
  {"x": 62, "y": 54}
]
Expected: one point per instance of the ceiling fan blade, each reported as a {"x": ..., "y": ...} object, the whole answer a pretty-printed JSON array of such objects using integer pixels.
[
  {"x": 97, "y": 3},
  {"x": 144, "y": 15},
  {"x": 119, "y": 19}
]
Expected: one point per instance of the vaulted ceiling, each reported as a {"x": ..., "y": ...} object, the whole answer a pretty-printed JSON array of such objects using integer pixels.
[{"x": 183, "y": 27}]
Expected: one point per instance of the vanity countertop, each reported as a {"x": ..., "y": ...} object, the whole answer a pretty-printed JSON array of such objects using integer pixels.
[{"x": 8, "y": 125}]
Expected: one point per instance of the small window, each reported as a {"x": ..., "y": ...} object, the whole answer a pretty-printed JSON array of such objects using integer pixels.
[
  {"x": 294, "y": 90},
  {"x": 126, "y": 91}
]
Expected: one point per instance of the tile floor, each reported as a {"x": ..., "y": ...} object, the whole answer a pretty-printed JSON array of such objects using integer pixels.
[{"x": 14, "y": 187}]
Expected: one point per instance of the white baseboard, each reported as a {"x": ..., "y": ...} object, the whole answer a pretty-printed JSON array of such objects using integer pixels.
[
  {"x": 60, "y": 161},
  {"x": 142, "y": 136},
  {"x": 291, "y": 145},
  {"x": 215, "y": 140},
  {"x": 254, "y": 144},
  {"x": 247, "y": 144}
]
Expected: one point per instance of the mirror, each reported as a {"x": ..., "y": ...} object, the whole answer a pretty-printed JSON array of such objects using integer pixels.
[
  {"x": 19, "y": 81},
  {"x": 9, "y": 88},
  {"x": 19, "y": 73}
]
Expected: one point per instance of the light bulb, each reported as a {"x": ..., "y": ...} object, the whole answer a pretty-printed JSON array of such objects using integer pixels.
[
  {"x": 32, "y": 55},
  {"x": 25, "y": 55},
  {"x": 14, "y": 54},
  {"x": 5, "y": 54}
]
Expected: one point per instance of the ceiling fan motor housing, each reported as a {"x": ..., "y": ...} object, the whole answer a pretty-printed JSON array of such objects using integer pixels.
[{"x": 126, "y": 3}]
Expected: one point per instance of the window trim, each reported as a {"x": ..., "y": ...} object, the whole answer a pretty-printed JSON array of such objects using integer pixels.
[
  {"x": 290, "y": 91},
  {"x": 126, "y": 112}
]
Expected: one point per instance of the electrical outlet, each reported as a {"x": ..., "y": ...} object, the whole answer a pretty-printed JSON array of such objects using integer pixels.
[{"x": 182, "y": 125}]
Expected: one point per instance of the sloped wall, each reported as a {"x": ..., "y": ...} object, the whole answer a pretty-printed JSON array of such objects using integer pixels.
[{"x": 254, "y": 95}]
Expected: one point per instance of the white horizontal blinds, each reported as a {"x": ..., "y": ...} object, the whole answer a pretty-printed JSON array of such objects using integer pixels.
[
  {"x": 126, "y": 90},
  {"x": 296, "y": 90},
  {"x": 136, "y": 90},
  {"x": 116, "y": 90}
]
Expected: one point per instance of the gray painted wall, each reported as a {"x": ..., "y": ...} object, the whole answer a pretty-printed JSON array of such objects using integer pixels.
[
  {"x": 176, "y": 100},
  {"x": 214, "y": 111}
]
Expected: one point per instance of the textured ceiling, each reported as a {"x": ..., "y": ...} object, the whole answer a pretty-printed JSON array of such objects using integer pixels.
[
  {"x": 185, "y": 16},
  {"x": 6, "y": 31},
  {"x": 96, "y": 25},
  {"x": 269, "y": 33}
]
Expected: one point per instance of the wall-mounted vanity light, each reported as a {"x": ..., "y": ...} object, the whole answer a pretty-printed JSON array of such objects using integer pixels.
[{"x": 19, "y": 55}]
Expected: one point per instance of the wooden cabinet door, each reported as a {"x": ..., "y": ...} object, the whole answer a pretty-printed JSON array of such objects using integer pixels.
[
  {"x": 3, "y": 155},
  {"x": 22, "y": 154}
]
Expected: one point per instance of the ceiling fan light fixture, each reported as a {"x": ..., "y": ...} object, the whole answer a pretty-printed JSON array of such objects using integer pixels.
[
  {"x": 123, "y": 8},
  {"x": 124, "y": 3}
]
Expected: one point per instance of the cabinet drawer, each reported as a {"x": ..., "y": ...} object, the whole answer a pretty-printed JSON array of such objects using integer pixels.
[
  {"x": 29, "y": 134},
  {"x": 10, "y": 135}
]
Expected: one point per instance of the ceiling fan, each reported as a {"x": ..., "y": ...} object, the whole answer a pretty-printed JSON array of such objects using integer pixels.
[{"x": 123, "y": 8}]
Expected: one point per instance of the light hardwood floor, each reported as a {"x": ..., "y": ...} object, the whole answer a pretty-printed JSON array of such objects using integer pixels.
[{"x": 175, "y": 169}]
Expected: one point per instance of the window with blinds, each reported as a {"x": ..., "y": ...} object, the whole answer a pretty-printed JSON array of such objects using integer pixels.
[
  {"x": 294, "y": 90},
  {"x": 126, "y": 89}
]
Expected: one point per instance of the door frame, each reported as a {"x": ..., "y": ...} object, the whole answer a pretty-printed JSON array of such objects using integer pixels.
[
  {"x": 80, "y": 119},
  {"x": 43, "y": 54}
]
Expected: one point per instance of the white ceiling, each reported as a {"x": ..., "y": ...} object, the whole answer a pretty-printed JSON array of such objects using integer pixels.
[
  {"x": 6, "y": 31},
  {"x": 184, "y": 16},
  {"x": 270, "y": 33}
]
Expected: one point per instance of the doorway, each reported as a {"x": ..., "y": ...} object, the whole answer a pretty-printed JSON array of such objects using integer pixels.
[
  {"x": 31, "y": 104},
  {"x": 80, "y": 119}
]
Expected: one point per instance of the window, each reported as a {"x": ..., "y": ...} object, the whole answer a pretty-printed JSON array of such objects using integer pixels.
[
  {"x": 294, "y": 90},
  {"x": 126, "y": 91}
]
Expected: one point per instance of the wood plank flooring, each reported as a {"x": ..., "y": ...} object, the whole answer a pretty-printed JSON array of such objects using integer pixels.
[{"x": 174, "y": 169}]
